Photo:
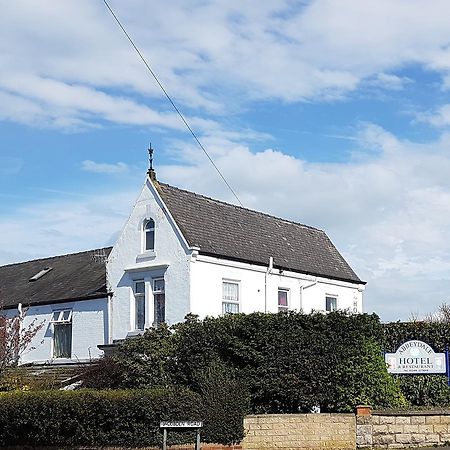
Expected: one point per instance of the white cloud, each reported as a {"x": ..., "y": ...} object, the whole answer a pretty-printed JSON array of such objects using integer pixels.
[
  {"x": 62, "y": 226},
  {"x": 33, "y": 100},
  {"x": 92, "y": 166},
  {"x": 69, "y": 63},
  {"x": 439, "y": 118},
  {"x": 389, "y": 82}
]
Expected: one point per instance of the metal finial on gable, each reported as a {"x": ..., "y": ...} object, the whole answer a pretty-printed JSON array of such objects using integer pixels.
[{"x": 151, "y": 172}]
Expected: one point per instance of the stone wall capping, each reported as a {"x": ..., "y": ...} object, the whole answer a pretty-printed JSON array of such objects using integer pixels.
[{"x": 411, "y": 412}]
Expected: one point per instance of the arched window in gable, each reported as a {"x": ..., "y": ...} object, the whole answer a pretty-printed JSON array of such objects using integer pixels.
[{"x": 149, "y": 234}]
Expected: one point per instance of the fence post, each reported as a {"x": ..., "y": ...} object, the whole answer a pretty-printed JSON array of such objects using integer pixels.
[
  {"x": 164, "y": 439},
  {"x": 197, "y": 443},
  {"x": 447, "y": 369}
]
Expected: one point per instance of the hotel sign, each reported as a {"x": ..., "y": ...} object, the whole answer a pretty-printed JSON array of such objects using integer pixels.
[{"x": 415, "y": 357}]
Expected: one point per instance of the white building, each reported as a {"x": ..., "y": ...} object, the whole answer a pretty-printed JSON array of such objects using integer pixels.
[{"x": 178, "y": 253}]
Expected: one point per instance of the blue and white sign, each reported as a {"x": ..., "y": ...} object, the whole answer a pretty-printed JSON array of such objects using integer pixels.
[{"x": 415, "y": 357}]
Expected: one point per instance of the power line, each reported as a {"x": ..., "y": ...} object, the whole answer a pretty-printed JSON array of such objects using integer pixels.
[{"x": 171, "y": 101}]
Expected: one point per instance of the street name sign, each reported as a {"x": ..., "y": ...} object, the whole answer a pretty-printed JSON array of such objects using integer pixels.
[{"x": 180, "y": 424}]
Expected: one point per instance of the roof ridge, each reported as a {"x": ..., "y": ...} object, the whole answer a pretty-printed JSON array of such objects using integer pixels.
[
  {"x": 242, "y": 207},
  {"x": 55, "y": 256}
]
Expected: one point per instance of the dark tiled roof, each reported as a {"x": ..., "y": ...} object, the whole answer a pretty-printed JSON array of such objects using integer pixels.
[
  {"x": 75, "y": 276},
  {"x": 237, "y": 233}
]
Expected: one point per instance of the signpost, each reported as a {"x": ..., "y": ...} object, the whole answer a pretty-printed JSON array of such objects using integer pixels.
[
  {"x": 181, "y": 425},
  {"x": 416, "y": 357}
]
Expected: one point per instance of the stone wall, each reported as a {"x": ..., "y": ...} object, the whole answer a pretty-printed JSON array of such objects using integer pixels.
[
  {"x": 300, "y": 431},
  {"x": 402, "y": 430}
]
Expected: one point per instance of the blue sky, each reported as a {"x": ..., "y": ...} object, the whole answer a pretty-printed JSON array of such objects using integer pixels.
[{"x": 334, "y": 114}]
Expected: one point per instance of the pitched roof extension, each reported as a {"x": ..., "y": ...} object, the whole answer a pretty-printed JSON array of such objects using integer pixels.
[
  {"x": 78, "y": 276},
  {"x": 232, "y": 232}
]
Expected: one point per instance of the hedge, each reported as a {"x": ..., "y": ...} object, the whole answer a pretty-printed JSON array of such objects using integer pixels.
[
  {"x": 100, "y": 418},
  {"x": 289, "y": 362}
]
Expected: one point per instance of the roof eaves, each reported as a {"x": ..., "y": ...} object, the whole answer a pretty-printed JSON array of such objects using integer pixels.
[
  {"x": 62, "y": 300},
  {"x": 304, "y": 272}
]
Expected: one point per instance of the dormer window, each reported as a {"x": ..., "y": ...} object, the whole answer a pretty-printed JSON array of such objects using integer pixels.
[{"x": 149, "y": 235}]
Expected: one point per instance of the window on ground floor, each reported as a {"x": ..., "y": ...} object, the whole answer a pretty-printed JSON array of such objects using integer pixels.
[
  {"x": 230, "y": 297},
  {"x": 62, "y": 333},
  {"x": 283, "y": 299},
  {"x": 330, "y": 303},
  {"x": 159, "y": 297},
  {"x": 139, "y": 304}
]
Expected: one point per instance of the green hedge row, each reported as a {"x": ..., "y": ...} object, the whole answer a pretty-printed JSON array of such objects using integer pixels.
[
  {"x": 288, "y": 362},
  {"x": 100, "y": 418},
  {"x": 293, "y": 362}
]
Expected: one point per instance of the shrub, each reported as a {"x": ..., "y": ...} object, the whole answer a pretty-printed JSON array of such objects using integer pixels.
[
  {"x": 140, "y": 362},
  {"x": 363, "y": 379},
  {"x": 294, "y": 362},
  {"x": 288, "y": 362},
  {"x": 87, "y": 417},
  {"x": 225, "y": 401}
]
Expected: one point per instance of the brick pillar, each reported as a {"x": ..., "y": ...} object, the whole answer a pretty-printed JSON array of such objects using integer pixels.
[
  {"x": 363, "y": 410},
  {"x": 364, "y": 426}
]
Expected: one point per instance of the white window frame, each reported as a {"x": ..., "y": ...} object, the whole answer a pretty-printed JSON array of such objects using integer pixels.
[
  {"x": 156, "y": 292},
  {"x": 145, "y": 232},
  {"x": 288, "y": 297},
  {"x": 61, "y": 316},
  {"x": 61, "y": 320},
  {"x": 331, "y": 296},
  {"x": 136, "y": 296},
  {"x": 226, "y": 301}
]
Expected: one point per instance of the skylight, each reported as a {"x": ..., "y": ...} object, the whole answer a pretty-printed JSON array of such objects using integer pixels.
[{"x": 40, "y": 274}]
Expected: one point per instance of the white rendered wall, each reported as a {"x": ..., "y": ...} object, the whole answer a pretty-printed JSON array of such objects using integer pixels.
[
  {"x": 306, "y": 293},
  {"x": 89, "y": 329},
  {"x": 128, "y": 262}
]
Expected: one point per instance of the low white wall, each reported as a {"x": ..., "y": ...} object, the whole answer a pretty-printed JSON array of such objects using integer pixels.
[{"x": 89, "y": 329}]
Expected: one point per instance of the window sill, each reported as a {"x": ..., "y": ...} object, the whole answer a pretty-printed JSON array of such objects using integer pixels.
[
  {"x": 60, "y": 361},
  {"x": 135, "y": 333},
  {"x": 148, "y": 255}
]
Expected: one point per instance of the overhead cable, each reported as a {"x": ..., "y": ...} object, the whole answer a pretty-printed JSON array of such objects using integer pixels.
[{"x": 171, "y": 101}]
